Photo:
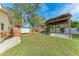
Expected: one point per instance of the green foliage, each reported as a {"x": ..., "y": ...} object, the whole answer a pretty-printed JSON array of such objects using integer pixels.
[
  {"x": 61, "y": 26},
  {"x": 33, "y": 18},
  {"x": 36, "y": 20},
  {"x": 75, "y": 24},
  {"x": 16, "y": 19},
  {"x": 25, "y": 12},
  {"x": 32, "y": 8}
]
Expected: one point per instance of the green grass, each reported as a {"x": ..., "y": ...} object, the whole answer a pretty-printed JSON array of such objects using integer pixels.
[{"x": 44, "y": 45}]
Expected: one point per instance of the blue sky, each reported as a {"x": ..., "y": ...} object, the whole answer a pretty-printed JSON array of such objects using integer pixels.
[{"x": 50, "y": 10}]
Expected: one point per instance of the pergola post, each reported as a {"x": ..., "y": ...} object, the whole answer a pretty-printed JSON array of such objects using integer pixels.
[
  {"x": 55, "y": 28},
  {"x": 65, "y": 18},
  {"x": 50, "y": 29},
  {"x": 70, "y": 34}
]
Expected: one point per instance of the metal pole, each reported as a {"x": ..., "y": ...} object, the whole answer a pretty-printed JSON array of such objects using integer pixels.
[{"x": 70, "y": 35}]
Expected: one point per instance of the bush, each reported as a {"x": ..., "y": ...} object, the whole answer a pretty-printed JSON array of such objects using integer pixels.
[{"x": 77, "y": 26}]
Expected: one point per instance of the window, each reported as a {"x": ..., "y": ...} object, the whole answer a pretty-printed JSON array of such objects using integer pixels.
[{"x": 2, "y": 26}]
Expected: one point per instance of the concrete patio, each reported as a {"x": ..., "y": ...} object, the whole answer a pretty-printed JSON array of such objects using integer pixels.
[{"x": 65, "y": 36}]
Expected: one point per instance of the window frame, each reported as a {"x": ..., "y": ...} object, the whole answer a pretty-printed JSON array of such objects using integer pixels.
[{"x": 2, "y": 26}]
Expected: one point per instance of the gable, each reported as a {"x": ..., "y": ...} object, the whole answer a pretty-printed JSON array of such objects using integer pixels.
[{"x": 9, "y": 16}]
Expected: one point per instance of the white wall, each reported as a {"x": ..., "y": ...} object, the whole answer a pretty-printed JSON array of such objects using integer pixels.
[
  {"x": 73, "y": 31},
  {"x": 25, "y": 30},
  {"x": 66, "y": 30},
  {"x": 57, "y": 30},
  {"x": 4, "y": 20}
]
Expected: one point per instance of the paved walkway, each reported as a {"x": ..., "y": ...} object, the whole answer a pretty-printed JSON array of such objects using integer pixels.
[
  {"x": 66, "y": 36},
  {"x": 9, "y": 43}
]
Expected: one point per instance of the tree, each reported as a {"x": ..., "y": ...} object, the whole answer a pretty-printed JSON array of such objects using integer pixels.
[
  {"x": 77, "y": 26},
  {"x": 26, "y": 12},
  {"x": 35, "y": 20},
  {"x": 31, "y": 11},
  {"x": 16, "y": 14},
  {"x": 21, "y": 10},
  {"x": 17, "y": 20},
  {"x": 74, "y": 24}
]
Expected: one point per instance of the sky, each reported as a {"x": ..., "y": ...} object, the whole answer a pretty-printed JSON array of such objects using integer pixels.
[{"x": 51, "y": 10}]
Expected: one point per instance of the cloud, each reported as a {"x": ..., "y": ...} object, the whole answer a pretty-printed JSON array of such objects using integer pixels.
[
  {"x": 60, "y": 11},
  {"x": 75, "y": 9},
  {"x": 71, "y": 8},
  {"x": 66, "y": 9},
  {"x": 43, "y": 10}
]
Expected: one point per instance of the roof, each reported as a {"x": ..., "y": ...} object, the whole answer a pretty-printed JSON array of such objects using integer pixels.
[
  {"x": 58, "y": 19},
  {"x": 19, "y": 26},
  {"x": 9, "y": 16}
]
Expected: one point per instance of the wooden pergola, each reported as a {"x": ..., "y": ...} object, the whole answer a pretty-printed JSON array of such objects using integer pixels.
[{"x": 62, "y": 19}]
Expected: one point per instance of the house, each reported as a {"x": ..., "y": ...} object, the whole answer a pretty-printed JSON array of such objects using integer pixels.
[
  {"x": 5, "y": 23},
  {"x": 62, "y": 21}
]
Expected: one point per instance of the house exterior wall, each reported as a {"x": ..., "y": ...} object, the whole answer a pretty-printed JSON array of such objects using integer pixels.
[
  {"x": 56, "y": 30},
  {"x": 4, "y": 20},
  {"x": 66, "y": 30},
  {"x": 73, "y": 30}
]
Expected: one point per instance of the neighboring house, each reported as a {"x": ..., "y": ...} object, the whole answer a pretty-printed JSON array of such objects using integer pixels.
[
  {"x": 73, "y": 30},
  {"x": 61, "y": 21},
  {"x": 5, "y": 23}
]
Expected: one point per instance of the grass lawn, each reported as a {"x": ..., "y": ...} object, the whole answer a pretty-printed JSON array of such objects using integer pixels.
[{"x": 44, "y": 45}]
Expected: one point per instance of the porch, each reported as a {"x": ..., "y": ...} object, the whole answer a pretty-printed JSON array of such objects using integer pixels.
[{"x": 56, "y": 26}]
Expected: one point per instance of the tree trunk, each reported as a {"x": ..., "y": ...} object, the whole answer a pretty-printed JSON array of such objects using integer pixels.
[
  {"x": 22, "y": 20},
  {"x": 32, "y": 29}
]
